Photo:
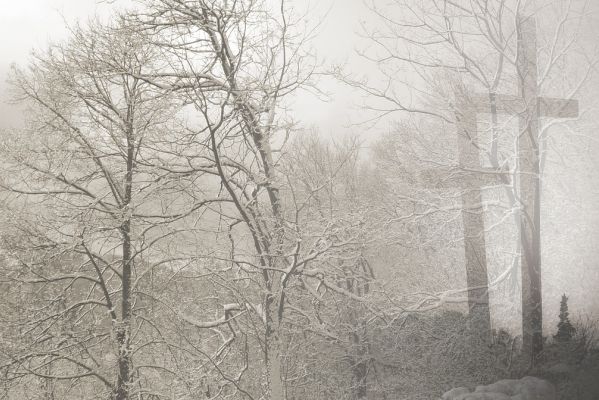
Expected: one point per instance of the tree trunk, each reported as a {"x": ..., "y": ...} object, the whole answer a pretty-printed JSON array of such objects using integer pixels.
[
  {"x": 124, "y": 328},
  {"x": 273, "y": 348},
  {"x": 274, "y": 368},
  {"x": 359, "y": 365}
]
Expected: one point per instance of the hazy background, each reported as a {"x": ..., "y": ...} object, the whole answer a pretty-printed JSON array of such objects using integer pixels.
[{"x": 571, "y": 185}]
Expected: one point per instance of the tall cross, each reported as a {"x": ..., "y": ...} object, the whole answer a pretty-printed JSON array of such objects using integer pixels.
[
  {"x": 470, "y": 177},
  {"x": 529, "y": 107}
]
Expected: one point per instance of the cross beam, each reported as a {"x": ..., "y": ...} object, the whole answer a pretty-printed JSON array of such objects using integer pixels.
[
  {"x": 461, "y": 177},
  {"x": 514, "y": 105}
]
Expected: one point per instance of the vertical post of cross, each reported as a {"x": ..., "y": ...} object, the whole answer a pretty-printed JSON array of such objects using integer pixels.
[
  {"x": 473, "y": 220},
  {"x": 530, "y": 190}
]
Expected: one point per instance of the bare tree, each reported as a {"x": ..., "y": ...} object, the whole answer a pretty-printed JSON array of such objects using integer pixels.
[
  {"x": 145, "y": 201},
  {"x": 330, "y": 178},
  {"x": 235, "y": 63},
  {"x": 85, "y": 179}
]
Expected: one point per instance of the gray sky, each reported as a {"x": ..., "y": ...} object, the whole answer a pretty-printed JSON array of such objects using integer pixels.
[{"x": 29, "y": 24}]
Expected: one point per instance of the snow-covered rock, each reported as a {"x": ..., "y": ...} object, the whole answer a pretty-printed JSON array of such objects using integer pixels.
[
  {"x": 454, "y": 393},
  {"x": 527, "y": 388}
]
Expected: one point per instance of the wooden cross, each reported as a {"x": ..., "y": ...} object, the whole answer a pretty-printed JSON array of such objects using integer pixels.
[
  {"x": 470, "y": 177},
  {"x": 529, "y": 107}
]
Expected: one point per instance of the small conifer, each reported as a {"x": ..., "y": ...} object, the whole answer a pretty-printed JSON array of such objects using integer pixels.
[{"x": 565, "y": 330}]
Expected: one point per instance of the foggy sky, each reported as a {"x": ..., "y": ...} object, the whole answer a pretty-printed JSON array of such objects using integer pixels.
[
  {"x": 31, "y": 24},
  {"x": 572, "y": 226}
]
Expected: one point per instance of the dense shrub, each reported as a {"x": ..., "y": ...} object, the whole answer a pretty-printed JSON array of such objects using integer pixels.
[
  {"x": 573, "y": 365},
  {"x": 427, "y": 354}
]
